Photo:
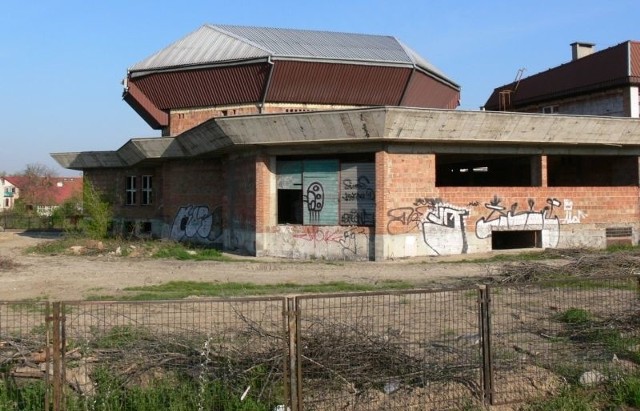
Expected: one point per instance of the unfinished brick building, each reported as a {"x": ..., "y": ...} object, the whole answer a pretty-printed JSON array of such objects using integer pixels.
[{"x": 306, "y": 144}]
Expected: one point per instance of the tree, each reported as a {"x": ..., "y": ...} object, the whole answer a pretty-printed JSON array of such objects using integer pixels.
[
  {"x": 36, "y": 183},
  {"x": 97, "y": 213}
]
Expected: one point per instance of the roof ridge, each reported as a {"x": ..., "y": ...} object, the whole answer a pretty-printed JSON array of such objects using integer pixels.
[{"x": 219, "y": 29}]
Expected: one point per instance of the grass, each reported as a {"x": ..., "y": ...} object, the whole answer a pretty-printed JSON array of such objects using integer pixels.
[
  {"x": 114, "y": 394},
  {"x": 609, "y": 397},
  {"x": 183, "y": 289}
]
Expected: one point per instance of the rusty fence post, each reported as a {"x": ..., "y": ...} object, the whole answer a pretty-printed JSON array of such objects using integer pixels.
[
  {"x": 47, "y": 354},
  {"x": 484, "y": 323},
  {"x": 294, "y": 370},
  {"x": 56, "y": 358}
]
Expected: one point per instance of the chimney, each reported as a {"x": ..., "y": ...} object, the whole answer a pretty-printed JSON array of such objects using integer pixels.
[{"x": 580, "y": 49}]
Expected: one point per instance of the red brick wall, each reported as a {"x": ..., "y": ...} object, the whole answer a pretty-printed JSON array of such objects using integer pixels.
[
  {"x": 192, "y": 182},
  {"x": 404, "y": 178},
  {"x": 239, "y": 200},
  {"x": 400, "y": 180},
  {"x": 263, "y": 193},
  {"x": 111, "y": 184}
]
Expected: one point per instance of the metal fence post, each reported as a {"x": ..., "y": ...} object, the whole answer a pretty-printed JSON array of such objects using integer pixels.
[
  {"x": 56, "y": 358},
  {"x": 484, "y": 323},
  {"x": 294, "y": 369},
  {"x": 47, "y": 354}
]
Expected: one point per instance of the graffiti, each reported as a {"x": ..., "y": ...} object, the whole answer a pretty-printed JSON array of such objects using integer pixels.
[
  {"x": 314, "y": 200},
  {"x": 405, "y": 219},
  {"x": 363, "y": 190},
  {"x": 347, "y": 239},
  {"x": 357, "y": 217},
  {"x": 197, "y": 224},
  {"x": 443, "y": 229},
  {"x": 569, "y": 216},
  {"x": 318, "y": 234},
  {"x": 501, "y": 219}
]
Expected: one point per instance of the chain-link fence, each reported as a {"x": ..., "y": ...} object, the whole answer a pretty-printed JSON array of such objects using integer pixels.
[{"x": 404, "y": 350}]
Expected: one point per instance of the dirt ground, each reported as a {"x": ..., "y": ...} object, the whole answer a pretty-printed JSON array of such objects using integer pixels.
[{"x": 61, "y": 277}]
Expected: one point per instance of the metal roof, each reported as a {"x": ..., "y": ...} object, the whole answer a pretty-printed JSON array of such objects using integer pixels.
[
  {"x": 216, "y": 44},
  {"x": 615, "y": 66}
]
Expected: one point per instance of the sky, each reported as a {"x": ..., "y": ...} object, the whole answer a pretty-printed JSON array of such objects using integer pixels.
[{"x": 62, "y": 62}]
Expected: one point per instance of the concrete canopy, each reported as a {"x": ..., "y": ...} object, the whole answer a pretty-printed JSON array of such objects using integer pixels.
[{"x": 383, "y": 124}]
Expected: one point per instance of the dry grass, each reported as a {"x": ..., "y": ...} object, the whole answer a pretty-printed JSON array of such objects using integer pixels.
[{"x": 8, "y": 264}]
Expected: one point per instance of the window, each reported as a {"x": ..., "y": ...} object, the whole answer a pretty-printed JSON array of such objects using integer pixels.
[
  {"x": 147, "y": 190},
  {"x": 592, "y": 171},
  {"x": 326, "y": 192},
  {"x": 550, "y": 110},
  {"x": 131, "y": 190},
  {"x": 484, "y": 170}
]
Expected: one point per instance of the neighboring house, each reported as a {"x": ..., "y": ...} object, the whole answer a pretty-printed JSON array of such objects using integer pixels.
[
  {"x": 44, "y": 194},
  {"x": 365, "y": 178},
  {"x": 9, "y": 194},
  {"x": 603, "y": 83}
]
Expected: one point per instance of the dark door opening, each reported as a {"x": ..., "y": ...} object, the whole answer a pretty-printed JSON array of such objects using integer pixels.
[{"x": 507, "y": 240}]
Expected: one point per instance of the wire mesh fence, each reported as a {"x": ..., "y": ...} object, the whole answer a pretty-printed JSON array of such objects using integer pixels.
[
  {"x": 580, "y": 331},
  {"x": 24, "y": 355},
  {"x": 400, "y": 350},
  {"x": 408, "y": 350}
]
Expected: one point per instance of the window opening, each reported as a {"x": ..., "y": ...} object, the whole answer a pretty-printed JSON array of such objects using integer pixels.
[
  {"x": 484, "y": 170},
  {"x": 131, "y": 190},
  {"x": 147, "y": 190},
  {"x": 507, "y": 240}
]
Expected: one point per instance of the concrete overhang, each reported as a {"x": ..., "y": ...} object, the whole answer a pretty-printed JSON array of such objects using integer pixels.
[{"x": 383, "y": 124}]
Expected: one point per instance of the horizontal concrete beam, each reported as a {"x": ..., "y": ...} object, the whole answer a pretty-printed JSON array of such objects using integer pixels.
[{"x": 422, "y": 127}]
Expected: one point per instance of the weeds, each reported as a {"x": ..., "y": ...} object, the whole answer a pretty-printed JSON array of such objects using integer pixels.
[{"x": 7, "y": 264}]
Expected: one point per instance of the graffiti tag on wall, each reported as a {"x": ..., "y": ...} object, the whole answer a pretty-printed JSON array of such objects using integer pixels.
[
  {"x": 357, "y": 201},
  {"x": 197, "y": 224},
  {"x": 572, "y": 216},
  {"x": 501, "y": 219},
  {"x": 346, "y": 238},
  {"x": 442, "y": 225},
  {"x": 443, "y": 229}
]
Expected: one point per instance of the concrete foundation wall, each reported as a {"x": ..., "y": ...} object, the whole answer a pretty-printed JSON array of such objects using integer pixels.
[{"x": 320, "y": 242}]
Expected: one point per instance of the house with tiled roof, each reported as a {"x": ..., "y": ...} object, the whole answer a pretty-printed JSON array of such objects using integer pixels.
[
  {"x": 603, "y": 83},
  {"x": 42, "y": 194},
  {"x": 311, "y": 144},
  {"x": 9, "y": 194}
]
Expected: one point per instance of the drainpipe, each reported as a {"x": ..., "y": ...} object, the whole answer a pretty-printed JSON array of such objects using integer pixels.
[{"x": 266, "y": 87}]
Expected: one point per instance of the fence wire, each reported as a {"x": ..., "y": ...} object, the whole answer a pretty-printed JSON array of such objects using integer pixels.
[
  {"x": 218, "y": 353},
  {"x": 579, "y": 331},
  {"x": 404, "y": 351},
  {"x": 24, "y": 354},
  {"x": 400, "y": 350}
]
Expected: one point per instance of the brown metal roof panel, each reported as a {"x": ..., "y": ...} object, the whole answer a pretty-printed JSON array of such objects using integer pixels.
[
  {"x": 634, "y": 63},
  {"x": 325, "y": 83},
  {"x": 145, "y": 108},
  {"x": 425, "y": 91},
  {"x": 205, "y": 87}
]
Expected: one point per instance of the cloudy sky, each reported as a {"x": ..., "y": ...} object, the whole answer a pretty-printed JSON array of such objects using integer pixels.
[{"x": 62, "y": 62}]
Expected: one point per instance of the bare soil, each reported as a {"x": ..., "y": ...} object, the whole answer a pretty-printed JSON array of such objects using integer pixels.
[{"x": 63, "y": 277}]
